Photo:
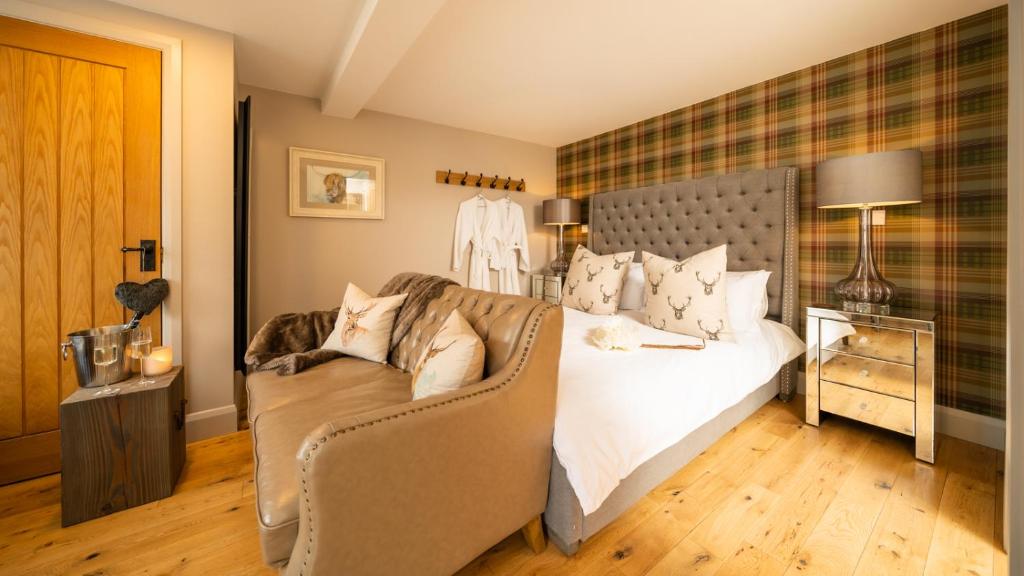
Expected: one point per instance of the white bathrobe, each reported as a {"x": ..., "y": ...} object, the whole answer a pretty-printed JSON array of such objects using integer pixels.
[
  {"x": 475, "y": 227},
  {"x": 511, "y": 251}
]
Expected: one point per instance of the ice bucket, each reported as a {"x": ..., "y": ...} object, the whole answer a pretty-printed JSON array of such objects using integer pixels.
[{"x": 81, "y": 344}]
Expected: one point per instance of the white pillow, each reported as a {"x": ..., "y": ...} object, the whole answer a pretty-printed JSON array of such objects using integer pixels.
[
  {"x": 785, "y": 343},
  {"x": 746, "y": 295},
  {"x": 364, "y": 325},
  {"x": 688, "y": 297},
  {"x": 454, "y": 359},
  {"x": 594, "y": 283},
  {"x": 633, "y": 288}
]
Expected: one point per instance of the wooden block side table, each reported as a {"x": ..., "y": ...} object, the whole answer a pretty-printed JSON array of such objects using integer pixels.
[{"x": 121, "y": 446}]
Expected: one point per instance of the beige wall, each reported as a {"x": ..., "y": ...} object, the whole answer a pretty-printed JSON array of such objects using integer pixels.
[
  {"x": 205, "y": 242},
  {"x": 1013, "y": 511},
  {"x": 304, "y": 263}
]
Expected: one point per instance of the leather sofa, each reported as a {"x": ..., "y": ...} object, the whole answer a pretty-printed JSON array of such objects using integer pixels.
[{"x": 352, "y": 477}]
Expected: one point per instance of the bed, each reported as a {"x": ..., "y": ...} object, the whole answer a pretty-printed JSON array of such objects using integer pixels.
[{"x": 626, "y": 423}]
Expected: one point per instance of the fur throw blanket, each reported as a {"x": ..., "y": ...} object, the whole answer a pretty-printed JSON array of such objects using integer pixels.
[
  {"x": 422, "y": 290},
  {"x": 290, "y": 343}
]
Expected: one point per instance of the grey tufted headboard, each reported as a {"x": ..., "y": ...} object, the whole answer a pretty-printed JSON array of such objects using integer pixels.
[{"x": 756, "y": 213}]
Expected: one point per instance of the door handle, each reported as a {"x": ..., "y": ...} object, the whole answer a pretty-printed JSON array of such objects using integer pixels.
[{"x": 147, "y": 258}]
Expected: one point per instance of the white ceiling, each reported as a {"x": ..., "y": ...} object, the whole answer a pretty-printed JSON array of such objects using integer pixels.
[
  {"x": 545, "y": 71},
  {"x": 290, "y": 50}
]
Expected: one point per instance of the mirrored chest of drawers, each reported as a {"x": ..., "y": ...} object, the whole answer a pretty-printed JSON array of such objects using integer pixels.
[
  {"x": 547, "y": 287},
  {"x": 878, "y": 369}
]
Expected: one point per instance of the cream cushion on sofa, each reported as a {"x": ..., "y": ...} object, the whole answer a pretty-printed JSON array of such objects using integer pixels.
[
  {"x": 454, "y": 358},
  {"x": 688, "y": 297},
  {"x": 364, "y": 324},
  {"x": 594, "y": 283}
]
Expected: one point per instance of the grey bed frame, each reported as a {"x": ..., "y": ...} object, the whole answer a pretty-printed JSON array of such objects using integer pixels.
[{"x": 756, "y": 213}]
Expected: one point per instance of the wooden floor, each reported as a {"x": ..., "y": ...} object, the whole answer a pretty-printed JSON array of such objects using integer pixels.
[{"x": 772, "y": 497}]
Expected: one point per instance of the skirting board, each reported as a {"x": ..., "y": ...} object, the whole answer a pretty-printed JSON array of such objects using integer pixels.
[
  {"x": 984, "y": 430},
  {"x": 209, "y": 423}
]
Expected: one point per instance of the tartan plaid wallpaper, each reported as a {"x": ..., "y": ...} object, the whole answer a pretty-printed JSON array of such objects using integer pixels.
[{"x": 943, "y": 91}]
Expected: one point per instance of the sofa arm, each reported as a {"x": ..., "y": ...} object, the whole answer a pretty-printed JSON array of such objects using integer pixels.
[{"x": 425, "y": 487}]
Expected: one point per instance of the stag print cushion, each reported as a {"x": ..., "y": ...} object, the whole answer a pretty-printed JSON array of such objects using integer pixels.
[
  {"x": 364, "y": 325},
  {"x": 594, "y": 283},
  {"x": 454, "y": 358},
  {"x": 688, "y": 297}
]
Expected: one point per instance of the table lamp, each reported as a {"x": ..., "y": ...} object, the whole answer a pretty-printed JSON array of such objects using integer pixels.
[
  {"x": 561, "y": 212},
  {"x": 866, "y": 182}
]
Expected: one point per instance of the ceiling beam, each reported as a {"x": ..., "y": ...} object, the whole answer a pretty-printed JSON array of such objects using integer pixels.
[{"x": 383, "y": 32}]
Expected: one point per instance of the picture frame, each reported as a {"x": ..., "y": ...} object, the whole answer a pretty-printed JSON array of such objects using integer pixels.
[{"x": 333, "y": 185}]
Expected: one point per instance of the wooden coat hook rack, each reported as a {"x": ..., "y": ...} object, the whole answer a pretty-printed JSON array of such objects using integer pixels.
[{"x": 479, "y": 180}]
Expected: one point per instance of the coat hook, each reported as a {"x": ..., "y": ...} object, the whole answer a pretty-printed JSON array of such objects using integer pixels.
[
  {"x": 447, "y": 176},
  {"x": 522, "y": 182},
  {"x": 494, "y": 183},
  {"x": 480, "y": 180},
  {"x": 508, "y": 182},
  {"x": 463, "y": 181}
]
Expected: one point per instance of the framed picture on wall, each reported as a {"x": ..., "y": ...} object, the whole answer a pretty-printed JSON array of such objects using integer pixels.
[{"x": 330, "y": 185}]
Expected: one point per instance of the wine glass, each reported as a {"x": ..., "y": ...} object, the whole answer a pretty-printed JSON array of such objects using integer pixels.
[
  {"x": 142, "y": 340},
  {"x": 104, "y": 350},
  {"x": 105, "y": 353}
]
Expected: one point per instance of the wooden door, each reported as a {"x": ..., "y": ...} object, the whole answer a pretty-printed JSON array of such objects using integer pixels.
[{"x": 79, "y": 179}]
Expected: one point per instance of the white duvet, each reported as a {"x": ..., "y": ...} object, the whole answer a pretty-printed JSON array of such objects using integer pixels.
[{"x": 618, "y": 409}]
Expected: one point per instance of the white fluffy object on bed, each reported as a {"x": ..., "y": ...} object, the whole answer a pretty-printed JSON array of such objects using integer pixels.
[{"x": 616, "y": 335}]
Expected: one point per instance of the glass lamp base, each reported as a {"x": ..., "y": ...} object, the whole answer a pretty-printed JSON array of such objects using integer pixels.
[
  {"x": 559, "y": 267},
  {"x": 866, "y": 307},
  {"x": 865, "y": 290}
]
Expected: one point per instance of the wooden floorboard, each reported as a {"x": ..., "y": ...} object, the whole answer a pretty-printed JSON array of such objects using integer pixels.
[{"x": 772, "y": 497}]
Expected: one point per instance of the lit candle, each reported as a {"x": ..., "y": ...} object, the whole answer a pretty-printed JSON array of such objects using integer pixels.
[{"x": 159, "y": 361}]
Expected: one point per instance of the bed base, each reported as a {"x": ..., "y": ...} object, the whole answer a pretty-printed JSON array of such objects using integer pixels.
[{"x": 568, "y": 528}]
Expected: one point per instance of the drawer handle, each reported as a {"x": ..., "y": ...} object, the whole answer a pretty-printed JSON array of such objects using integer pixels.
[
  {"x": 862, "y": 340},
  {"x": 863, "y": 405},
  {"x": 864, "y": 373}
]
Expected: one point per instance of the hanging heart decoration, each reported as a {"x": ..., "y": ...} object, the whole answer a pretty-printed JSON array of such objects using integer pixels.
[{"x": 141, "y": 298}]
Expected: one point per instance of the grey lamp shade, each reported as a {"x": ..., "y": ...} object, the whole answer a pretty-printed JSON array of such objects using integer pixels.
[
  {"x": 562, "y": 211},
  {"x": 876, "y": 179}
]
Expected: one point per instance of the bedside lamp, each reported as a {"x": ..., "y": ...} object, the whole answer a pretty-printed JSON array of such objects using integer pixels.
[
  {"x": 561, "y": 212},
  {"x": 865, "y": 182}
]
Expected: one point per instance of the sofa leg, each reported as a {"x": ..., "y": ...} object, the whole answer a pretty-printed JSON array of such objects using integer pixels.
[{"x": 534, "y": 534}]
